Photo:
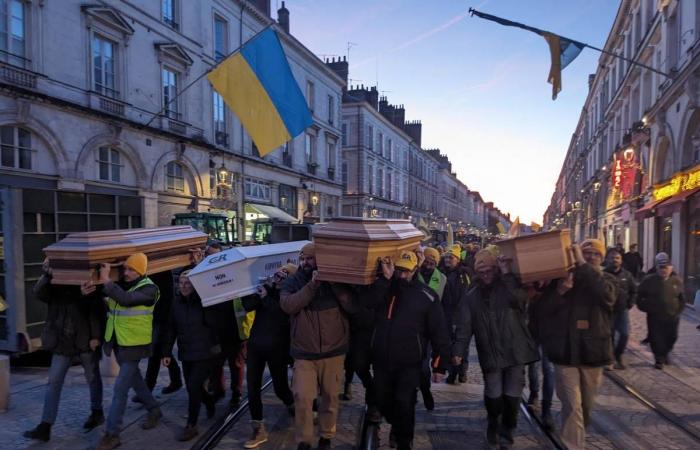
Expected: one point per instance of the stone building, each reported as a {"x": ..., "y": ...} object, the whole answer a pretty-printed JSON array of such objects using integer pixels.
[
  {"x": 91, "y": 139},
  {"x": 632, "y": 171}
]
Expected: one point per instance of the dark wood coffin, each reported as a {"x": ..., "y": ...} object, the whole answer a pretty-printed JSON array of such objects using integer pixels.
[
  {"x": 75, "y": 258},
  {"x": 347, "y": 248}
]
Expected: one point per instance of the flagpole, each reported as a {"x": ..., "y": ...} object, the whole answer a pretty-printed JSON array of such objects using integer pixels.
[
  {"x": 507, "y": 22},
  {"x": 193, "y": 82}
]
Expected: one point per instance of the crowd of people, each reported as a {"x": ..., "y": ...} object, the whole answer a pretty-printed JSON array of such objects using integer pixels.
[{"x": 412, "y": 327}]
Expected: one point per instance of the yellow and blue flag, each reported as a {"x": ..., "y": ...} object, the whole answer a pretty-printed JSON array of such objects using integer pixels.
[
  {"x": 258, "y": 85},
  {"x": 562, "y": 50}
]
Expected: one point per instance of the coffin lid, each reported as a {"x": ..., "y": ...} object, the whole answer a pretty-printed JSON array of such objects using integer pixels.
[
  {"x": 80, "y": 245},
  {"x": 360, "y": 229},
  {"x": 238, "y": 254},
  {"x": 539, "y": 235}
]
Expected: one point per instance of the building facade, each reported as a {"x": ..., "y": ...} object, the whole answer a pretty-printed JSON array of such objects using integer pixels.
[
  {"x": 116, "y": 131},
  {"x": 632, "y": 170}
]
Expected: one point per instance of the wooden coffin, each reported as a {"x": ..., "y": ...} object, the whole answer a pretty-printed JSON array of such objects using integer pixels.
[
  {"x": 539, "y": 256},
  {"x": 75, "y": 258},
  {"x": 347, "y": 248},
  {"x": 238, "y": 271}
]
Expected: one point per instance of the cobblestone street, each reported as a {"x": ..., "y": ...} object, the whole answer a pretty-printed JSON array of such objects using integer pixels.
[{"x": 620, "y": 421}]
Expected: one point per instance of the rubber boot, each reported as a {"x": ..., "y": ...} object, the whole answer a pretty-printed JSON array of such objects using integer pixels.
[
  {"x": 494, "y": 408},
  {"x": 509, "y": 421}
]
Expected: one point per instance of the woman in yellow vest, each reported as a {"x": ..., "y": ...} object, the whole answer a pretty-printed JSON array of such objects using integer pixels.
[{"x": 129, "y": 330}]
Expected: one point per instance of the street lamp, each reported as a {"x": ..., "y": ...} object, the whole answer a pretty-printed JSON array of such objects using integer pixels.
[{"x": 314, "y": 199}]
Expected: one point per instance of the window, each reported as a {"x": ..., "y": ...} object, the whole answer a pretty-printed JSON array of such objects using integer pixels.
[
  {"x": 381, "y": 144},
  {"x": 221, "y": 138},
  {"x": 257, "y": 190},
  {"x": 389, "y": 150},
  {"x": 287, "y": 158},
  {"x": 310, "y": 95},
  {"x": 103, "y": 66},
  {"x": 220, "y": 38},
  {"x": 16, "y": 151},
  {"x": 388, "y": 185},
  {"x": 330, "y": 147},
  {"x": 370, "y": 179},
  {"x": 169, "y": 83},
  {"x": 344, "y": 175},
  {"x": 309, "y": 148},
  {"x": 380, "y": 182},
  {"x": 109, "y": 164},
  {"x": 345, "y": 133},
  {"x": 169, "y": 13},
  {"x": 331, "y": 109},
  {"x": 174, "y": 179},
  {"x": 12, "y": 31},
  {"x": 370, "y": 137}
]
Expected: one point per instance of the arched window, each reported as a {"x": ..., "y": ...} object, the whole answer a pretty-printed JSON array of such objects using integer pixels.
[
  {"x": 16, "y": 148},
  {"x": 174, "y": 177},
  {"x": 109, "y": 164}
]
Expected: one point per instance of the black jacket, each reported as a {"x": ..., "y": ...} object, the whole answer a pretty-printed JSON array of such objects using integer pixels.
[
  {"x": 407, "y": 316},
  {"x": 225, "y": 326},
  {"x": 626, "y": 289},
  {"x": 496, "y": 316},
  {"x": 455, "y": 292},
  {"x": 270, "y": 330},
  {"x": 72, "y": 320},
  {"x": 577, "y": 329},
  {"x": 193, "y": 326},
  {"x": 166, "y": 286},
  {"x": 662, "y": 299},
  {"x": 633, "y": 262}
]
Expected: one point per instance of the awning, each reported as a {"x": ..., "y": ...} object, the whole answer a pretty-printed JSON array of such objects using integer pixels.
[
  {"x": 675, "y": 203},
  {"x": 273, "y": 212},
  {"x": 647, "y": 210}
]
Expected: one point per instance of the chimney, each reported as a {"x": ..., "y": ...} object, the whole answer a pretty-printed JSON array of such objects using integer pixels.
[
  {"x": 283, "y": 20},
  {"x": 415, "y": 130},
  {"x": 373, "y": 97},
  {"x": 400, "y": 116},
  {"x": 339, "y": 66}
]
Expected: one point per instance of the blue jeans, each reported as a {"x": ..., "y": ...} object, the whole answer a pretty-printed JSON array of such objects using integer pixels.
[
  {"x": 547, "y": 379},
  {"x": 57, "y": 374},
  {"x": 621, "y": 325},
  {"x": 129, "y": 377}
]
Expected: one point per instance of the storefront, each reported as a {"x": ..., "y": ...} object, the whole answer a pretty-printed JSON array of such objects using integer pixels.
[{"x": 259, "y": 219}]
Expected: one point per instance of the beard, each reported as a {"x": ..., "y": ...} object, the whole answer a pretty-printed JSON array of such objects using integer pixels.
[
  {"x": 426, "y": 273},
  {"x": 308, "y": 270}
]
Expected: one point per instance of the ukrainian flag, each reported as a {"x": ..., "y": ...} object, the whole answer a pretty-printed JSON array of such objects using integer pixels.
[
  {"x": 258, "y": 85},
  {"x": 562, "y": 51}
]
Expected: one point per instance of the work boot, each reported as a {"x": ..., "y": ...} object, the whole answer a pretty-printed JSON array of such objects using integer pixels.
[
  {"x": 532, "y": 398},
  {"x": 509, "y": 420},
  {"x": 235, "y": 401},
  {"x": 346, "y": 396},
  {"x": 108, "y": 442},
  {"x": 659, "y": 365},
  {"x": 187, "y": 433},
  {"x": 210, "y": 406},
  {"x": 41, "y": 432},
  {"x": 373, "y": 414},
  {"x": 428, "y": 400},
  {"x": 324, "y": 444},
  {"x": 152, "y": 419},
  {"x": 97, "y": 418},
  {"x": 494, "y": 408},
  {"x": 172, "y": 387},
  {"x": 547, "y": 419},
  {"x": 451, "y": 378},
  {"x": 259, "y": 436},
  {"x": 619, "y": 363}
]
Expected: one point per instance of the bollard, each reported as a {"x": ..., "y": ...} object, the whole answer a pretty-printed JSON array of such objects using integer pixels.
[
  {"x": 109, "y": 366},
  {"x": 4, "y": 383}
]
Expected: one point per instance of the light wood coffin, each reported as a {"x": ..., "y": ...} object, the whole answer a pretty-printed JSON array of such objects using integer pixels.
[
  {"x": 75, "y": 258},
  {"x": 238, "y": 271},
  {"x": 347, "y": 248},
  {"x": 540, "y": 256}
]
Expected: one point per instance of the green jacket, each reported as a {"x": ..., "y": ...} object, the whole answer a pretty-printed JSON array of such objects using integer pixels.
[
  {"x": 436, "y": 282},
  {"x": 130, "y": 316}
]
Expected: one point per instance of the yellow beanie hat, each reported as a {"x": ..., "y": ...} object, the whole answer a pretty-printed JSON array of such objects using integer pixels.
[
  {"x": 483, "y": 259},
  {"x": 595, "y": 244},
  {"x": 432, "y": 254},
  {"x": 456, "y": 251},
  {"x": 138, "y": 262},
  {"x": 407, "y": 261}
]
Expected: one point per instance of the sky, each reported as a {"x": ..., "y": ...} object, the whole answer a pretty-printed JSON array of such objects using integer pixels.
[{"x": 479, "y": 88}]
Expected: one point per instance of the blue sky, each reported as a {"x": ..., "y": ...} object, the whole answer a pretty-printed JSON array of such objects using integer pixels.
[{"x": 479, "y": 88}]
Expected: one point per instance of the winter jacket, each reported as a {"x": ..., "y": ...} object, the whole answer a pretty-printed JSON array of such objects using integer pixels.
[
  {"x": 633, "y": 262},
  {"x": 72, "y": 320},
  {"x": 319, "y": 328},
  {"x": 193, "y": 327},
  {"x": 226, "y": 327},
  {"x": 407, "y": 316},
  {"x": 496, "y": 316},
  {"x": 577, "y": 329},
  {"x": 626, "y": 289},
  {"x": 663, "y": 299},
  {"x": 166, "y": 286},
  {"x": 455, "y": 291},
  {"x": 144, "y": 296},
  {"x": 271, "y": 325}
]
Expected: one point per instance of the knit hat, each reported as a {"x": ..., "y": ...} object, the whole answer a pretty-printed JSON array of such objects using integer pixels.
[
  {"x": 184, "y": 274},
  {"x": 432, "y": 254},
  {"x": 138, "y": 262},
  {"x": 407, "y": 261},
  {"x": 290, "y": 268},
  {"x": 484, "y": 259},
  {"x": 662, "y": 260},
  {"x": 309, "y": 249},
  {"x": 455, "y": 250},
  {"x": 594, "y": 244}
]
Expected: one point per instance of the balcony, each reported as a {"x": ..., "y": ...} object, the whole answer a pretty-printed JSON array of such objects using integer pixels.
[
  {"x": 171, "y": 121},
  {"x": 17, "y": 76},
  {"x": 311, "y": 168},
  {"x": 221, "y": 138}
]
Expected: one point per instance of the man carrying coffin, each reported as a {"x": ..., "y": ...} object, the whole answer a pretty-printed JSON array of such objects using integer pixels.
[{"x": 319, "y": 342}]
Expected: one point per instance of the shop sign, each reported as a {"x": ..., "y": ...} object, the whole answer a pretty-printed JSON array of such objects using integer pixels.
[
  {"x": 623, "y": 176},
  {"x": 681, "y": 182}
]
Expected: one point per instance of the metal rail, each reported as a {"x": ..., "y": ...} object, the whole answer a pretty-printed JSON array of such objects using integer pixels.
[
  {"x": 538, "y": 425},
  {"x": 214, "y": 434},
  {"x": 368, "y": 438}
]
